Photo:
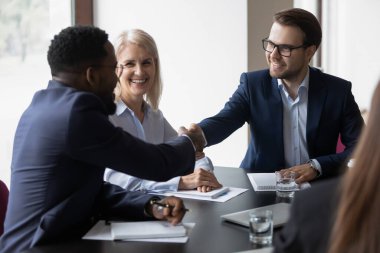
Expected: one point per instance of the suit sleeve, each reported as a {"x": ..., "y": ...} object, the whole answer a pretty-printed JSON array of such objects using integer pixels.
[
  {"x": 116, "y": 202},
  {"x": 351, "y": 124},
  {"x": 234, "y": 114},
  {"x": 92, "y": 138}
]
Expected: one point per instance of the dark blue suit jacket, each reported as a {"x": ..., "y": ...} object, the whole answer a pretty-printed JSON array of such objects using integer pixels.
[
  {"x": 331, "y": 111},
  {"x": 63, "y": 142}
]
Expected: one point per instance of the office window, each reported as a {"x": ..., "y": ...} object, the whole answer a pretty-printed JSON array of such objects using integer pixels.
[{"x": 26, "y": 28}]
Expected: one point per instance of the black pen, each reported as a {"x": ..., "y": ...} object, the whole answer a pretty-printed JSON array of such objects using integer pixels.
[{"x": 155, "y": 202}]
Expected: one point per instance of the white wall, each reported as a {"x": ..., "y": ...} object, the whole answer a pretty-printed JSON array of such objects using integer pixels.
[
  {"x": 350, "y": 36},
  {"x": 19, "y": 80},
  {"x": 203, "y": 51},
  {"x": 351, "y": 40}
]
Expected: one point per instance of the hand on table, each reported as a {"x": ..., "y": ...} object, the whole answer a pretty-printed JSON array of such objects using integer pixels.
[
  {"x": 173, "y": 213},
  {"x": 201, "y": 179},
  {"x": 304, "y": 173}
]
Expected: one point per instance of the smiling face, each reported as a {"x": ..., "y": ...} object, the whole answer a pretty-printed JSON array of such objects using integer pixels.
[
  {"x": 293, "y": 68},
  {"x": 138, "y": 73}
]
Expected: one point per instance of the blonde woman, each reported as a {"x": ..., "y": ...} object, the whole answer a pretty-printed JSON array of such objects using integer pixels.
[{"x": 138, "y": 95}]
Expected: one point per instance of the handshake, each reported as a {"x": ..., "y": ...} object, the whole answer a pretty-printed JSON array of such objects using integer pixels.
[{"x": 195, "y": 133}]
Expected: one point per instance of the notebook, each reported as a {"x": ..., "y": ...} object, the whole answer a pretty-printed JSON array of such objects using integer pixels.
[
  {"x": 267, "y": 182},
  {"x": 281, "y": 212},
  {"x": 263, "y": 181},
  {"x": 146, "y": 229}
]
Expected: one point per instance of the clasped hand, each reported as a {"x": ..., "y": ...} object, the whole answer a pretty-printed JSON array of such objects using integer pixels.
[
  {"x": 195, "y": 134},
  {"x": 173, "y": 213}
]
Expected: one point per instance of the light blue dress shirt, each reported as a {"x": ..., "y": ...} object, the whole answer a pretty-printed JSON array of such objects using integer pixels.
[
  {"x": 294, "y": 128},
  {"x": 154, "y": 129}
]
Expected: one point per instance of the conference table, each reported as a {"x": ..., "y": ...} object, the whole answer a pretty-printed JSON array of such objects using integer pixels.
[{"x": 210, "y": 233}]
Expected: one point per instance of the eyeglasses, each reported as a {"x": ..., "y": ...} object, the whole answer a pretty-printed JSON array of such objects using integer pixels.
[{"x": 283, "y": 49}]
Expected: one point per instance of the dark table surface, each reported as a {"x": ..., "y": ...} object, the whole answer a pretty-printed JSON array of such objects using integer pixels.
[{"x": 210, "y": 233}]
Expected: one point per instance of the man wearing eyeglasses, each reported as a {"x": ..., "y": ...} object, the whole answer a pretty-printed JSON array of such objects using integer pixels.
[{"x": 295, "y": 112}]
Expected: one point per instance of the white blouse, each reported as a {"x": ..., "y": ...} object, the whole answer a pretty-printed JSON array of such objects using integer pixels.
[{"x": 154, "y": 129}]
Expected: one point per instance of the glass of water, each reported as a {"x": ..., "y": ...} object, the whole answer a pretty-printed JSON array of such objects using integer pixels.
[
  {"x": 261, "y": 226},
  {"x": 286, "y": 184}
]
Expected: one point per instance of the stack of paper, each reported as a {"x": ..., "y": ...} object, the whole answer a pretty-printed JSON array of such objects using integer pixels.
[
  {"x": 218, "y": 195},
  {"x": 211, "y": 194},
  {"x": 145, "y": 229}
]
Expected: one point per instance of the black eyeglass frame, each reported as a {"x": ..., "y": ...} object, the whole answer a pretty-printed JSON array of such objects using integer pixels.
[{"x": 281, "y": 47}]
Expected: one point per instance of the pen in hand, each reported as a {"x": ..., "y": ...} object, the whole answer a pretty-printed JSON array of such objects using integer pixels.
[{"x": 155, "y": 202}]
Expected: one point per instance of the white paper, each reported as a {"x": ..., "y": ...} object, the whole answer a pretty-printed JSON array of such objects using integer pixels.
[
  {"x": 211, "y": 194},
  {"x": 145, "y": 229},
  {"x": 101, "y": 231},
  {"x": 261, "y": 250},
  {"x": 233, "y": 192}
]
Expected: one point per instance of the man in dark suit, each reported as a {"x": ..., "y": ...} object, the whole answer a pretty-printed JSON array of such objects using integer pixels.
[
  {"x": 295, "y": 112},
  {"x": 64, "y": 141}
]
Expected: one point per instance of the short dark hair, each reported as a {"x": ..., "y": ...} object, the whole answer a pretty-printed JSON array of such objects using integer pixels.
[
  {"x": 303, "y": 19},
  {"x": 75, "y": 46}
]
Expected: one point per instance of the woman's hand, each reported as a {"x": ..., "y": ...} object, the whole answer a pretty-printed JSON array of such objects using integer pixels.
[{"x": 200, "y": 179}]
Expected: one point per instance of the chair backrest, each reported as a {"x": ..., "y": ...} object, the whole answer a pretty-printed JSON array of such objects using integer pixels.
[
  {"x": 339, "y": 146},
  {"x": 4, "y": 192}
]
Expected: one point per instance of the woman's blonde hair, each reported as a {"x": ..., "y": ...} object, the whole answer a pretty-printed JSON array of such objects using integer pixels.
[
  {"x": 144, "y": 40},
  {"x": 357, "y": 226}
]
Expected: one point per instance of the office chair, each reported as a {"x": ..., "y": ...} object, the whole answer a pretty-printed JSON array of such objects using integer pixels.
[
  {"x": 4, "y": 192},
  {"x": 339, "y": 146}
]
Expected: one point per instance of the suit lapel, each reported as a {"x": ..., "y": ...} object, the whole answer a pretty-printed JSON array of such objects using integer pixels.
[
  {"x": 276, "y": 108},
  {"x": 316, "y": 100}
]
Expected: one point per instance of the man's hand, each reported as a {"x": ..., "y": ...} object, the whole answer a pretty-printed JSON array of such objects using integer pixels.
[
  {"x": 201, "y": 179},
  {"x": 304, "y": 173},
  {"x": 195, "y": 134},
  {"x": 174, "y": 211}
]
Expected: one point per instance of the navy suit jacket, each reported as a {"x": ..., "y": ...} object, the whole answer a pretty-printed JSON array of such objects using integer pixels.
[
  {"x": 311, "y": 219},
  {"x": 331, "y": 111},
  {"x": 62, "y": 145}
]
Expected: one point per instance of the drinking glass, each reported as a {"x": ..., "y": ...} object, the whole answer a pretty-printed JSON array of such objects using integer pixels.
[{"x": 261, "y": 226}]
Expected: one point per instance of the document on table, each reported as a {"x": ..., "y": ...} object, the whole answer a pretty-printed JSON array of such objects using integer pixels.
[
  {"x": 261, "y": 250},
  {"x": 145, "y": 229},
  {"x": 102, "y": 231},
  {"x": 267, "y": 182},
  {"x": 219, "y": 195}
]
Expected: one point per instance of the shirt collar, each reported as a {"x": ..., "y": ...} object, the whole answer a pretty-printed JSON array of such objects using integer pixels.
[
  {"x": 304, "y": 83},
  {"x": 121, "y": 107}
]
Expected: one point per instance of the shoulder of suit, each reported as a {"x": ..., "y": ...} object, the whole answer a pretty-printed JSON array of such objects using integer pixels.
[
  {"x": 259, "y": 73},
  {"x": 257, "y": 76},
  {"x": 330, "y": 79}
]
